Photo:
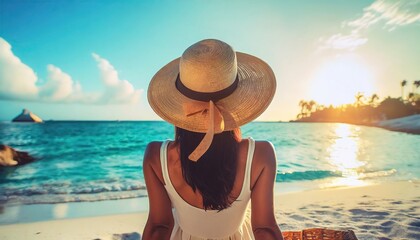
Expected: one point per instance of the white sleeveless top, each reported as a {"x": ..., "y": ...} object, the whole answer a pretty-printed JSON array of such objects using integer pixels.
[{"x": 194, "y": 223}]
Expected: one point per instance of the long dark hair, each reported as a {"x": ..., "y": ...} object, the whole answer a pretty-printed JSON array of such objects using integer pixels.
[{"x": 214, "y": 173}]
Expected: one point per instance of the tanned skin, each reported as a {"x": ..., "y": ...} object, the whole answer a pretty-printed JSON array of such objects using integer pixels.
[{"x": 160, "y": 221}]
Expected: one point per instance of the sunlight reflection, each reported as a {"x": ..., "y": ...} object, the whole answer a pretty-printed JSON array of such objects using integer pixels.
[
  {"x": 60, "y": 210},
  {"x": 343, "y": 155}
]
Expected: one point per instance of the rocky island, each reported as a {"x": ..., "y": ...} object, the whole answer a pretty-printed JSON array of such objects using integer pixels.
[{"x": 27, "y": 116}]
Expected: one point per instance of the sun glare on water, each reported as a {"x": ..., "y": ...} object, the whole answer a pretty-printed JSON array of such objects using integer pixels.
[
  {"x": 344, "y": 156},
  {"x": 338, "y": 80}
]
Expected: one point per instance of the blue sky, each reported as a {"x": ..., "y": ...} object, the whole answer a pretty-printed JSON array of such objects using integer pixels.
[{"x": 93, "y": 60}]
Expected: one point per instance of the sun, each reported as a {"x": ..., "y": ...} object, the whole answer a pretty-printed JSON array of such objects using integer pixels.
[{"x": 338, "y": 80}]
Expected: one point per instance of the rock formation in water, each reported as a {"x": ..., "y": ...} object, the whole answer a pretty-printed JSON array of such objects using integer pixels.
[
  {"x": 27, "y": 116},
  {"x": 11, "y": 157}
]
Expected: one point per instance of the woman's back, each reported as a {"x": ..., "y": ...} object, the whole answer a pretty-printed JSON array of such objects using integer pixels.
[
  {"x": 186, "y": 192},
  {"x": 258, "y": 187},
  {"x": 191, "y": 220}
]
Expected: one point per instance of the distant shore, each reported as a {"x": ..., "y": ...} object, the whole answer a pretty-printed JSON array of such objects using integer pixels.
[
  {"x": 385, "y": 211},
  {"x": 408, "y": 124}
]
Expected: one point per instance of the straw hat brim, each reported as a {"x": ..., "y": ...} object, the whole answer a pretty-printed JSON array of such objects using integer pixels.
[{"x": 255, "y": 91}]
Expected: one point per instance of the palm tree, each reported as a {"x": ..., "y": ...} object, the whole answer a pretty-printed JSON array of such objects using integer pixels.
[
  {"x": 403, "y": 83},
  {"x": 359, "y": 96},
  {"x": 373, "y": 99},
  {"x": 416, "y": 84},
  {"x": 311, "y": 105},
  {"x": 303, "y": 105}
]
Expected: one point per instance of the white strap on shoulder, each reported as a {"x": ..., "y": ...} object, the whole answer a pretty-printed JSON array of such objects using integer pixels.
[
  {"x": 250, "y": 157},
  {"x": 164, "y": 162}
]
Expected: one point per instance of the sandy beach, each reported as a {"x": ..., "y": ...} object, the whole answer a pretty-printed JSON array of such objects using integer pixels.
[
  {"x": 409, "y": 124},
  {"x": 384, "y": 211}
]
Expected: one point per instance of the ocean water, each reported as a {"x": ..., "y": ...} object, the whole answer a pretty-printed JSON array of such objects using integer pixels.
[{"x": 91, "y": 161}]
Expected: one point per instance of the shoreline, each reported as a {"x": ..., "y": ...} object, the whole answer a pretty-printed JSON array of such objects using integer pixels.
[
  {"x": 388, "y": 210},
  {"x": 409, "y": 124},
  {"x": 13, "y": 213}
]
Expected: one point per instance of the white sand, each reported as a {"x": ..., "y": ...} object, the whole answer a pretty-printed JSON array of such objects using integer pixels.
[
  {"x": 78, "y": 228},
  {"x": 405, "y": 124},
  {"x": 385, "y": 211}
]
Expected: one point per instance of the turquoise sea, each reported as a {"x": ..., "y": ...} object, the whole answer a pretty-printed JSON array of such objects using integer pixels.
[{"x": 90, "y": 161}]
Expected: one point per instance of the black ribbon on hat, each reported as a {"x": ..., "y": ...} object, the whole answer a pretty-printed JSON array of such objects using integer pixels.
[{"x": 203, "y": 96}]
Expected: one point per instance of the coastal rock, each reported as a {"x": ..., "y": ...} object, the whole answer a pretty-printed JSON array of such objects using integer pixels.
[
  {"x": 6, "y": 156},
  {"x": 11, "y": 157},
  {"x": 27, "y": 116}
]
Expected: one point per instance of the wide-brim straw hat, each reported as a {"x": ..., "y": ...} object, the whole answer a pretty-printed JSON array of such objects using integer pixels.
[{"x": 212, "y": 86}]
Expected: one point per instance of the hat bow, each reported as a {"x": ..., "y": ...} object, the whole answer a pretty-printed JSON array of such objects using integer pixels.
[{"x": 215, "y": 124}]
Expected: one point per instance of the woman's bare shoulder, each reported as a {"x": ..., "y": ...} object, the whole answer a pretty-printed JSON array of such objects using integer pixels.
[
  {"x": 264, "y": 160},
  {"x": 264, "y": 153},
  {"x": 151, "y": 160},
  {"x": 152, "y": 152}
]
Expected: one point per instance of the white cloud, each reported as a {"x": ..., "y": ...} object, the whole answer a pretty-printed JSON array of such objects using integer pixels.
[
  {"x": 59, "y": 86},
  {"x": 116, "y": 90},
  {"x": 339, "y": 41},
  {"x": 17, "y": 80},
  {"x": 390, "y": 13}
]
